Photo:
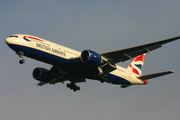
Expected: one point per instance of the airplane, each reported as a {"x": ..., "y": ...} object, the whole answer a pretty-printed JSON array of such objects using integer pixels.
[{"x": 74, "y": 66}]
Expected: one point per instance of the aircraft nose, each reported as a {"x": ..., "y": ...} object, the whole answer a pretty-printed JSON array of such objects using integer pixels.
[
  {"x": 11, "y": 40},
  {"x": 8, "y": 40}
]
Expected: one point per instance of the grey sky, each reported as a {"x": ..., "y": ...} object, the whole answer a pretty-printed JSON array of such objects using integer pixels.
[{"x": 99, "y": 25}]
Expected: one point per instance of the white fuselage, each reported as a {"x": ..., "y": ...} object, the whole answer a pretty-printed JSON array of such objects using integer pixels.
[{"x": 35, "y": 47}]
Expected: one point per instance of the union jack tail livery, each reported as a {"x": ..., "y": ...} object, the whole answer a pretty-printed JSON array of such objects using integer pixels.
[{"x": 137, "y": 64}]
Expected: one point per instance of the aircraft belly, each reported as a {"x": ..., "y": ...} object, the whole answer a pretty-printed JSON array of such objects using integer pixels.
[
  {"x": 64, "y": 64},
  {"x": 39, "y": 55},
  {"x": 122, "y": 76},
  {"x": 79, "y": 70},
  {"x": 116, "y": 79}
]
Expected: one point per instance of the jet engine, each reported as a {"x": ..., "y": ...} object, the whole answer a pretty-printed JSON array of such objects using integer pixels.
[
  {"x": 42, "y": 74},
  {"x": 91, "y": 57}
]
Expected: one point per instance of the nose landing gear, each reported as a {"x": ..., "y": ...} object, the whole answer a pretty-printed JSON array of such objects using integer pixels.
[
  {"x": 21, "y": 61},
  {"x": 20, "y": 53},
  {"x": 73, "y": 87}
]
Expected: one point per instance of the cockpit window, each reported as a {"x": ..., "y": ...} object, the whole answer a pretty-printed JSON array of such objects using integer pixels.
[{"x": 13, "y": 36}]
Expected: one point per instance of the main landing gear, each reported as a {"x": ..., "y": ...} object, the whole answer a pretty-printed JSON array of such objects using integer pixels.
[
  {"x": 21, "y": 56},
  {"x": 73, "y": 87}
]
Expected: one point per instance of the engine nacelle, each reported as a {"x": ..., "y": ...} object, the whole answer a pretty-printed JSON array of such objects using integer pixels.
[
  {"x": 91, "y": 57},
  {"x": 42, "y": 74}
]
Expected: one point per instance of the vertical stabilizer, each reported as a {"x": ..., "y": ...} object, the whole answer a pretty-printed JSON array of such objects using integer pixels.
[{"x": 137, "y": 64}]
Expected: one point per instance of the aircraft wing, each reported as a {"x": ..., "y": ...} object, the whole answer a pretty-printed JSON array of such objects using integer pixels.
[
  {"x": 61, "y": 76},
  {"x": 129, "y": 53}
]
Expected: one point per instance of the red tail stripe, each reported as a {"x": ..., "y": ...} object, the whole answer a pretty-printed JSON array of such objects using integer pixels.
[
  {"x": 140, "y": 58},
  {"x": 134, "y": 70}
]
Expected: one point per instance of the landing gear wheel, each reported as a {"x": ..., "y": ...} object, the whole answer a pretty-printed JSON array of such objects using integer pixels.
[
  {"x": 78, "y": 88},
  {"x": 73, "y": 87},
  {"x": 22, "y": 61},
  {"x": 102, "y": 81},
  {"x": 68, "y": 85},
  {"x": 20, "y": 53}
]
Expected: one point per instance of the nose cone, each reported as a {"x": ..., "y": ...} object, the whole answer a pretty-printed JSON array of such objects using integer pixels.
[
  {"x": 11, "y": 40},
  {"x": 8, "y": 40}
]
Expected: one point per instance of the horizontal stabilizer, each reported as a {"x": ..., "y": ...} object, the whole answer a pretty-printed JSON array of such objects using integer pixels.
[{"x": 150, "y": 76}]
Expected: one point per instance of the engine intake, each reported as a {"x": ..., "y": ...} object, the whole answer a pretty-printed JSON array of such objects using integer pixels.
[
  {"x": 42, "y": 74},
  {"x": 91, "y": 57}
]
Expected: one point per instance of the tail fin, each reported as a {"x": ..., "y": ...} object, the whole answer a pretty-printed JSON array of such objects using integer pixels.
[{"x": 137, "y": 64}]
